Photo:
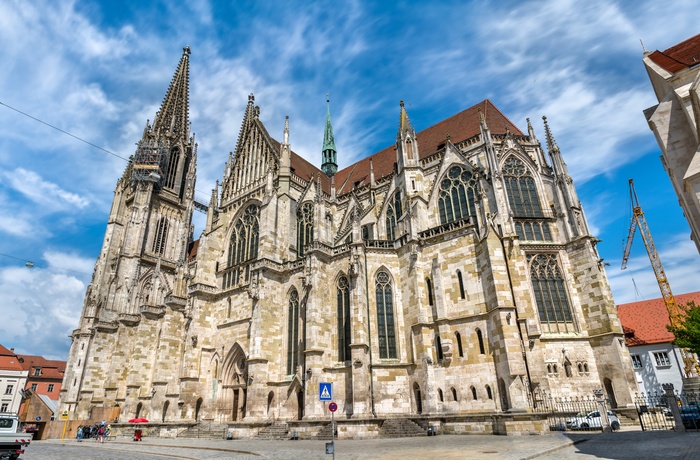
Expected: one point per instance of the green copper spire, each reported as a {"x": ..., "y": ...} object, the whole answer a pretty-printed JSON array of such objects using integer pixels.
[{"x": 330, "y": 164}]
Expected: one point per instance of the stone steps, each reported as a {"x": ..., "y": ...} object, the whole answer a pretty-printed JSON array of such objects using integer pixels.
[
  {"x": 400, "y": 428},
  {"x": 276, "y": 431},
  {"x": 205, "y": 431}
]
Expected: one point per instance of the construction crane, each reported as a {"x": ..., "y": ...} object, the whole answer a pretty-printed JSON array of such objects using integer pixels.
[{"x": 674, "y": 316}]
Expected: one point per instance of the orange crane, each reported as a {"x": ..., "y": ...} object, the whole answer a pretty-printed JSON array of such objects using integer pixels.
[{"x": 674, "y": 316}]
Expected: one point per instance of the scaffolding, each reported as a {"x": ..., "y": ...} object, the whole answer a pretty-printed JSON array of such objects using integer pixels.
[{"x": 149, "y": 162}]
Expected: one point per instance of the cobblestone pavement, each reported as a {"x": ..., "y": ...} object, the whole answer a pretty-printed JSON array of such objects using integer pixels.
[{"x": 635, "y": 445}]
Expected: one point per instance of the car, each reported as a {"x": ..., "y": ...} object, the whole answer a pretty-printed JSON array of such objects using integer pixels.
[
  {"x": 690, "y": 416},
  {"x": 592, "y": 420}
]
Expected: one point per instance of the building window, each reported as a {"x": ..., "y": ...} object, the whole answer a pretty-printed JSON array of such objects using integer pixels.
[
  {"x": 293, "y": 333},
  {"x": 550, "y": 293},
  {"x": 661, "y": 358},
  {"x": 4, "y": 407},
  {"x": 488, "y": 392},
  {"x": 440, "y": 395},
  {"x": 473, "y": 393},
  {"x": 393, "y": 213},
  {"x": 385, "y": 316},
  {"x": 461, "y": 284},
  {"x": 50, "y": 387},
  {"x": 243, "y": 246},
  {"x": 457, "y": 192},
  {"x": 34, "y": 386},
  {"x": 161, "y": 236},
  {"x": 305, "y": 227},
  {"x": 458, "y": 339},
  {"x": 454, "y": 394},
  {"x": 344, "y": 319},
  {"x": 438, "y": 345},
  {"x": 8, "y": 389},
  {"x": 37, "y": 372},
  {"x": 480, "y": 339},
  {"x": 521, "y": 189}
]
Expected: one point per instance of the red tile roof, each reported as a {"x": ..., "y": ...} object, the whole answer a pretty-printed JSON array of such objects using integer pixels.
[
  {"x": 684, "y": 55},
  {"x": 50, "y": 368},
  {"x": 645, "y": 322},
  {"x": 459, "y": 127}
]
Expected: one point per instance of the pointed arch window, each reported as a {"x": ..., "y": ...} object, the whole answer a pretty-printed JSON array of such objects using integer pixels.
[
  {"x": 480, "y": 339},
  {"x": 161, "y": 236},
  {"x": 524, "y": 201},
  {"x": 458, "y": 339},
  {"x": 457, "y": 195},
  {"x": 461, "y": 284},
  {"x": 344, "y": 319},
  {"x": 438, "y": 345},
  {"x": 394, "y": 211},
  {"x": 429, "y": 286},
  {"x": 293, "y": 333},
  {"x": 305, "y": 227},
  {"x": 385, "y": 316},
  {"x": 173, "y": 161},
  {"x": 243, "y": 246},
  {"x": 550, "y": 293}
]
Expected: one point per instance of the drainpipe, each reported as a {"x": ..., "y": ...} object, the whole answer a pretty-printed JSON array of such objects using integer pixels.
[{"x": 369, "y": 337}]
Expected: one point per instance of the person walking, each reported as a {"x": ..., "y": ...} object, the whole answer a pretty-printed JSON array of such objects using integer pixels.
[
  {"x": 80, "y": 433},
  {"x": 101, "y": 434}
]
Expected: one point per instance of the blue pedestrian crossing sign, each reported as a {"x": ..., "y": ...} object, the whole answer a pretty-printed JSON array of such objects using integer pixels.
[{"x": 325, "y": 391}]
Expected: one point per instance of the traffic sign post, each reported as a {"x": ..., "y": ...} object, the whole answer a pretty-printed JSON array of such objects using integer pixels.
[
  {"x": 64, "y": 417},
  {"x": 332, "y": 407}
]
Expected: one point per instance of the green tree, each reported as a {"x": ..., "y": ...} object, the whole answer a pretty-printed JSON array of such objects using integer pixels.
[{"x": 688, "y": 331}]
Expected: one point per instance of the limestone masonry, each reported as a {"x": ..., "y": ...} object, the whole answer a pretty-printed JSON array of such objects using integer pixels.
[{"x": 452, "y": 273}]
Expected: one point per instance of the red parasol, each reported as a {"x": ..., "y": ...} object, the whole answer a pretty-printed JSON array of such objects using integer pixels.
[{"x": 138, "y": 420}]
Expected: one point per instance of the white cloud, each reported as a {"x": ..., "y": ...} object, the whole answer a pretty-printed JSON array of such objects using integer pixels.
[{"x": 48, "y": 194}]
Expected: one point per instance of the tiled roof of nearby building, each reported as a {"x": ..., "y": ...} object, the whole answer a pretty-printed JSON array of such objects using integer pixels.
[
  {"x": 50, "y": 369},
  {"x": 678, "y": 57},
  {"x": 5, "y": 352},
  {"x": 645, "y": 322}
]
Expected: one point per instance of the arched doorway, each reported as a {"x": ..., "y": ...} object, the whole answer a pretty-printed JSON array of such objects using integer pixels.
[
  {"x": 611, "y": 393},
  {"x": 197, "y": 410},
  {"x": 165, "y": 410},
  {"x": 300, "y": 404},
  {"x": 417, "y": 396},
  {"x": 503, "y": 392},
  {"x": 234, "y": 377}
]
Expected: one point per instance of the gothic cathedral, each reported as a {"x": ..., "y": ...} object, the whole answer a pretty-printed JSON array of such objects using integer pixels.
[{"x": 452, "y": 273}]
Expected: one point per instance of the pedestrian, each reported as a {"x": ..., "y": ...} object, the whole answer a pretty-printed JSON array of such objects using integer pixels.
[
  {"x": 80, "y": 433},
  {"x": 101, "y": 434}
]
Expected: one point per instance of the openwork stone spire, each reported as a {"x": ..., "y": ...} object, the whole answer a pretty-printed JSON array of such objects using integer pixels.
[{"x": 173, "y": 117}]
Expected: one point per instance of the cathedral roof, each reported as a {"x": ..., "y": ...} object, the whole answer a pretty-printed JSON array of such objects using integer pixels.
[
  {"x": 646, "y": 321},
  {"x": 459, "y": 127},
  {"x": 684, "y": 55}
]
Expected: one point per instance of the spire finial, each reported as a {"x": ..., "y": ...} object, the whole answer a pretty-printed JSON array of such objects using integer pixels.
[
  {"x": 186, "y": 49},
  {"x": 404, "y": 121},
  {"x": 551, "y": 143},
  {"x": 173, "y": 116},
  {"x": 286, "y": 129}
]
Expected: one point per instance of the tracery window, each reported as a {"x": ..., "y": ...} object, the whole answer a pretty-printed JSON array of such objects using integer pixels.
[
  {"x": 161, "y": 236},
  {"x": 393, "y": 212},
  {"x": 550, "y": 293},
  {"x": 524, "y": 201},
  {"x": 457, "y": 195},
  {"x": 243, "y": 246},
  {"x": 385, "y": 316},
  {"x": 344, "y": 319},
  {"x": 293, "y": 333},
  {"x": 305, "y": 227}
]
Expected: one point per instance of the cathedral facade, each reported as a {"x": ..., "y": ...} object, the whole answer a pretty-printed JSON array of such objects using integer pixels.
[{"x": 451, "y": 273}]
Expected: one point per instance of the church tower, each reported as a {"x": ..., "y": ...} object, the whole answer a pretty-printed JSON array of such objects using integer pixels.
[{"x": 134, "y": 309}]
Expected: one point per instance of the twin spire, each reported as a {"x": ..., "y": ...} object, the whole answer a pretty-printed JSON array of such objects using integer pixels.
[{"x": 173, "y": 117}]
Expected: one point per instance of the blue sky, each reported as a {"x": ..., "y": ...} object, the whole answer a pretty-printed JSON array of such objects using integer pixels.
[{"x": 100, "y": 69}]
